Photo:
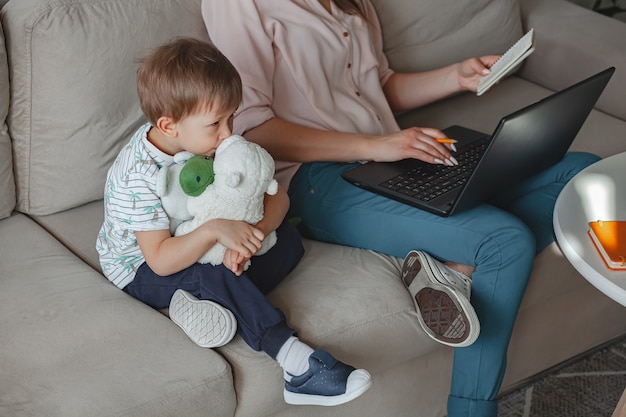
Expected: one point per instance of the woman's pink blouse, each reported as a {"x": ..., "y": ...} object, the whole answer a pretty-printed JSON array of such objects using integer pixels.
[{"x": 304, "y": 65}]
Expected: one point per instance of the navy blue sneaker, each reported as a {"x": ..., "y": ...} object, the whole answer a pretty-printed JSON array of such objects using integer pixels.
[{"x": 327, "y": 382}]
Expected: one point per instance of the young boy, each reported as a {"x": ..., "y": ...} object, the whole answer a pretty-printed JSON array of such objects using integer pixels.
[{"x": 189, "y": 91}]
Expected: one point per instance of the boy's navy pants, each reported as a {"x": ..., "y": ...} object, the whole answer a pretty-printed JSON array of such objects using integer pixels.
[{"x": 261, "y": 325}]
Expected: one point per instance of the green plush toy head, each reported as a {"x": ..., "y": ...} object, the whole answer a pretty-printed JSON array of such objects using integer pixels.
[{"x": 196, "y": 175}]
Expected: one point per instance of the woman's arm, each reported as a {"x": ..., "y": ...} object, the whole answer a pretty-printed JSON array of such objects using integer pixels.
[
  {"x": 406, "y": 91},
  {"x": 287, "y": 141}
]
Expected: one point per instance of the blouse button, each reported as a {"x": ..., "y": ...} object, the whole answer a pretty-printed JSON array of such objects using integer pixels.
[
  {"x": 358, "y": 94},
  {"x": 345, "y": 34},
  {"x": 349, "y": 65}
]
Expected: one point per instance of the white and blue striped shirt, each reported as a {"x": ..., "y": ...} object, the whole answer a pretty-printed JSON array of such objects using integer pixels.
[{"x": 130, "y": 204}]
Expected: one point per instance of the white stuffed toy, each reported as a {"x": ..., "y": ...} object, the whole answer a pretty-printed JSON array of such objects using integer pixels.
[
  {"x": 170, "y": 191},
  {"x": 243, "y": 172}
]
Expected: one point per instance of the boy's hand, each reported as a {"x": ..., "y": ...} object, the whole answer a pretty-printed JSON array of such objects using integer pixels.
[
  {"x": 235, "y": 261},
  {"x": 168, "y": 255}
]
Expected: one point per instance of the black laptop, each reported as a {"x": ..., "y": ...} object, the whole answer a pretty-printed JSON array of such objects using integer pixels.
[{"x": 523, "y": 144}]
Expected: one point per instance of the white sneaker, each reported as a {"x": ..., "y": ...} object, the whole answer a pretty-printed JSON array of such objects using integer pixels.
[
  {"x": 441, "y": 296},
  {"x": 207, "y": 323},
  {"x": 451, "y": 277}
]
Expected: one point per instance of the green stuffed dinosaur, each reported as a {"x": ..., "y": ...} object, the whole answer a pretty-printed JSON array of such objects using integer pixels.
[{"x": 189, "y": 176}]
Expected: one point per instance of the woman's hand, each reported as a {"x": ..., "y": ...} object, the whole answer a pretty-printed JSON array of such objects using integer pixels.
[
  {"x": 468, "y": 72},
  {"x": 417, "y": 143}
]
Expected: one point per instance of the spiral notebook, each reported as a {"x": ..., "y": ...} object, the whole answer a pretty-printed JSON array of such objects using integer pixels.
[
  {"x": 508, "y": 61},
  {"x": 609, "y": 239},
  {"x": 523, "y": 144}
]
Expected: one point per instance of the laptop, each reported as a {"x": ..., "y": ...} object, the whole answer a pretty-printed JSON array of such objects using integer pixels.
[{"x": 523, "y": 144}]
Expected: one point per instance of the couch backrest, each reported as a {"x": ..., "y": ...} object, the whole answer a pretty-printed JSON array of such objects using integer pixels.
[
  {"x": 72, "y": 67},
  {"x": 7, "y": 182},
  {"x": 427, "y": 34},
  {"x": 74, "y": 102}
]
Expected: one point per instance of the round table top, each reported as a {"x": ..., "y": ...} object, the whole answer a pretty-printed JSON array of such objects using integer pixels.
[{"x": 596, "y": 193}]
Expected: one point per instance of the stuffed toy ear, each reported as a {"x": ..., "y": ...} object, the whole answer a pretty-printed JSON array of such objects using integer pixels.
[
  {"x": 272, "y": 188},
  {"x": 233, "y": 179}
]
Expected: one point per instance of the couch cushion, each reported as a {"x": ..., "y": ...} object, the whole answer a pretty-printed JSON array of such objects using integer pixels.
[
  {"x": 427, "y": 34},
  {"x": 7, "y": 183},
  {"x": 74, "y": 345},
  {"x": 77, "y": 104},
  {"x": 80, "y": 240},
  {"x": 349, "y": 301}
]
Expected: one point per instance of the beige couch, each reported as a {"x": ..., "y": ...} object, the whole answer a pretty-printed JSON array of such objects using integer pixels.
[{"x": 71, "y": 344}]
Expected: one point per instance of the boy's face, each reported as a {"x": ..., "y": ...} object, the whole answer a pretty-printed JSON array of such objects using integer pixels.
[{"x": 201, "y": 133}]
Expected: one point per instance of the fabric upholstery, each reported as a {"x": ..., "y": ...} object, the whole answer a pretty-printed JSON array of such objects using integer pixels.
[
  {"x": 7, "y": 182},
  {"x": 74, "y": 63},
  {"x": 420, "y": 35},
  {"x": 566, "y": 32},
  {"x": 74, "y": 345}
]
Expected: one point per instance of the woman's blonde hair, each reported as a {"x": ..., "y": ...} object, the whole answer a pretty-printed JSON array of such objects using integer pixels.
[{"x": 185, "y": 76}]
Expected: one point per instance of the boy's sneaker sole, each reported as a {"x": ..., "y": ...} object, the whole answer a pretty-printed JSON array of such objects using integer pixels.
[
  {"x": 207, "y": 323},
  {"x": 443, "y": 310}
]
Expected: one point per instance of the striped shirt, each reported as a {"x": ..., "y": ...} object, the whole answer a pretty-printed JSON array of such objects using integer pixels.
[{"x": 130, "y": 204}]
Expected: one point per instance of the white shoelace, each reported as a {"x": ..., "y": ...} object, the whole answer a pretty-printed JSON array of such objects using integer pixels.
[{"x": 455, "y": 278}]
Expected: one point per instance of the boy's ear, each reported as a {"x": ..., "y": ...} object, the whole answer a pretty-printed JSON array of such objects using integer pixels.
[{"x": 167, "y": 125}]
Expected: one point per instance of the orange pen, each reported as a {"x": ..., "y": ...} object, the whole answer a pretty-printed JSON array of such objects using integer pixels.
[{"x": 446, "y": 140}]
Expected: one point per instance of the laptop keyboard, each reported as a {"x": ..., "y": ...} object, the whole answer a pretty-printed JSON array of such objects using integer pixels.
[{"x": 430, "y": 181}]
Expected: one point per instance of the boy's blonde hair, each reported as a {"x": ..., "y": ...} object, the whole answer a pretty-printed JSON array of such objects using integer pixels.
[{"x": 185, "y": 76}]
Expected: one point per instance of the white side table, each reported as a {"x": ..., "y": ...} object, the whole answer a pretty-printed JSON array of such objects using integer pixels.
[{"x": 596, "y": 193}]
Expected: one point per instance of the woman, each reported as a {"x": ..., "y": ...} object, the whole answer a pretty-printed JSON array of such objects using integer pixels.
[{"x": 318, "y": 92}]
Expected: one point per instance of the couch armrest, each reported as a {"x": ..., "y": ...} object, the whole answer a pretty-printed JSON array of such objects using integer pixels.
[{"x": 572, "y": 44}]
